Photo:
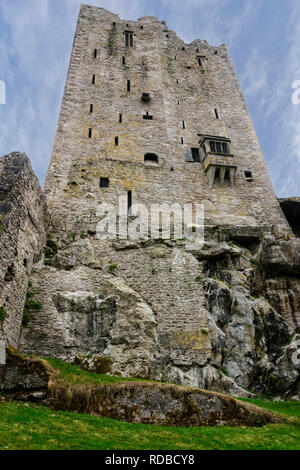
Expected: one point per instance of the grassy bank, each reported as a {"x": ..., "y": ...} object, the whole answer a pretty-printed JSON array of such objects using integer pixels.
[{"x": 24, "y": 426}]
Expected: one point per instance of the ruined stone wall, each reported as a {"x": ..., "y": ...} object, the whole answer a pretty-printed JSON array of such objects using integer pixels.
[
  {"x": 23, "y": 223},
  {"x": 161, "y": 64}
]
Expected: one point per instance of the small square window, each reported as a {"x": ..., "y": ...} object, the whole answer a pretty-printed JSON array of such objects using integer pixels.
[
  {"x": 248, "y": 175},
  {"x": 104, "y": 182}
]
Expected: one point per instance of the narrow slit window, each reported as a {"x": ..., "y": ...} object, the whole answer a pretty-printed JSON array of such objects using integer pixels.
[
  {"x": 90, "y": 133},
  {"x": 128, "y": 85},
  {"x": 123, "y": 60},
  {"x": 183, "y": 125},
  {"x": 91, "y": 108},
  {"x": 120, "y": 117},
  {"x": 199, "y": 61},
  {"x": 93, "y": 79},
  {"x": 177, "y": 81},
  {"x": 178, "y": 102},
  {"x": 95, "y": 53},
  {"x": 116, "y": 140},
  {"x": 216, "y": 113},
  {"x": 129, "y": 200},
  {"x": 104, "y": 182},
  {"x": 181, "y": 140}
]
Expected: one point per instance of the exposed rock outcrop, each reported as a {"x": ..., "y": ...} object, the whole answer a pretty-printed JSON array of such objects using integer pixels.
[
  {"x": 217, "y": 318},
  {"x": 162, "y": 404},
  {"x": 23, "y": 221}
]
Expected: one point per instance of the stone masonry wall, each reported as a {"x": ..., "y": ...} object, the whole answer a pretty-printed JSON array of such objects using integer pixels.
[
  {"x": 161, "y": 64},
  {"x": 23, "y": 221}
]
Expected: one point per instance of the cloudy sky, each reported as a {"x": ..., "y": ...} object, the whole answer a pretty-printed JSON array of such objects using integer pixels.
[{"x": 263, "y": 37}]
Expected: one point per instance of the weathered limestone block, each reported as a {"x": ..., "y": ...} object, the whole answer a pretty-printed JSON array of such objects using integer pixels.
[
  {"x": 212, "y": 250},
  {"x": 280, "y": 256},
  {"x": 88, "y": 312},
  {"x": 207, "y": 378},
  {"x": 78, "y": 253},
  {"x": 160, "y": 404},
  {"x": 21, "y": 374},
  {"x": 23, "y": 218}
]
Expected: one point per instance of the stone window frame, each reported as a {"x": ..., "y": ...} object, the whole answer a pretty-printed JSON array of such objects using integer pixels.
[{"x": 128, "y": 38}]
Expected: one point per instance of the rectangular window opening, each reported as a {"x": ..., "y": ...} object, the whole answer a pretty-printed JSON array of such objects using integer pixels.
[
  {"x": 216, "y": 113},
  {"x": 120, "y": 117},
  {"x": 195, "y": 154},
  {"x": 225, "y": 147},
  {"x": 93, "y": 79},
  {"x": 248, "y": 175},
  {"x": 147, "y": 116},
  {"x": 91, "y": 108},
  {"x": 90, "y": 132},
  {"x": 181, "y": 140},
  {"x": 218, "y": 145},
  {"x": 183, "y": 125},
  {"x": 212, "y": 146},
  {"x": 104, "y": 182},
  {"x": 123, "y": 60},
  {"x": 116, "y": 140},
  {"x": 95, "y": 53},
  {"x": 128, "y": 85},
  {"x": 128, "y": 39}
]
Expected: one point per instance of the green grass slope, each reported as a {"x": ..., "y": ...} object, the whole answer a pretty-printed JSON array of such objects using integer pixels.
[
  {"x": 27, "y": 426},
  {"x": 24, "y": 426}
]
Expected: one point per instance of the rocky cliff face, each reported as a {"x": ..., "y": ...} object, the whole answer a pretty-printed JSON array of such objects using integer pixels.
[
  {"x": 224, "y": 318},
  {"x": 23, "y": 221}
]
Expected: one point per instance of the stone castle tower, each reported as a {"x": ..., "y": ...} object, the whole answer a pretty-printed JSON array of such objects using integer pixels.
[{"x": 148, "y": 117}]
